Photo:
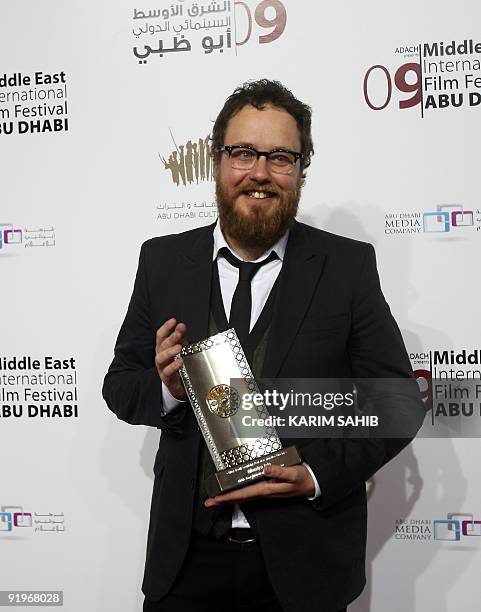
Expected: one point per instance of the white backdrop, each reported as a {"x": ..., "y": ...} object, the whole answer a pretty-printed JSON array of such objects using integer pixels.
[{"x": 78, "y": 202}]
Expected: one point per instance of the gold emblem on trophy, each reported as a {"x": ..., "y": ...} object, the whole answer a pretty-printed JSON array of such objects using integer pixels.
[{"x": 223, "y": 401}]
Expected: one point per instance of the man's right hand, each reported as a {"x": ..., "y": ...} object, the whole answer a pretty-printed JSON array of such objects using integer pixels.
[{"x": 169, "y": 341}]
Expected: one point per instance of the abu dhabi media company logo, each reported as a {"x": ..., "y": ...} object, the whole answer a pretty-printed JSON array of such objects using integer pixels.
[
  {"x": 456, "y": 527},
  {"x": 450, "y": 220},
  {"x": 16, "y": 521},
  {"x": 450, "y": 217},
  {"x": 13, "y": 237}
]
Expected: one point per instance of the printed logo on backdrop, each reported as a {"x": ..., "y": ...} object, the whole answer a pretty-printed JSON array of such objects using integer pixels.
[
  {"x": 205, "y": 28},
  {"x": 15, "y": 521},
  {"x": 14, "y": 237},
  {"x": 438, "y": 75},
  {"x": 189, "y": 163},
  {"x": 33, "y": 103},
  {"x": 450, "y": 385},
  {"x": 448, "y": 220},
  {"x": 38, "y": 388},
  {"x": 456, "y": 527}
]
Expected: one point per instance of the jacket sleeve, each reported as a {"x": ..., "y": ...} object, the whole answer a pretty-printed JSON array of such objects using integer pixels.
[
  {"x": 379, "y": 361},
  {"x": 132, "y": 387}
]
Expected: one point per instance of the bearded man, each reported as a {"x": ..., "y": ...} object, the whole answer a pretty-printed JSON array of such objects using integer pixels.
[{"x": 296, "y": 540}]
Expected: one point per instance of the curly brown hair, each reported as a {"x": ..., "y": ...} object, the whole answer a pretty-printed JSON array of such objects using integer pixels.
[{"x": 260, "y": 94}]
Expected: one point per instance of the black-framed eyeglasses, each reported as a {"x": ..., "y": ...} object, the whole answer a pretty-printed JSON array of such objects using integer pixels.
[{"x": 279, "y": 161}]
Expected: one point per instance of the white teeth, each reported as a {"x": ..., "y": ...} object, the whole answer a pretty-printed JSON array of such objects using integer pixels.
[{"x": 259, "y": 195}]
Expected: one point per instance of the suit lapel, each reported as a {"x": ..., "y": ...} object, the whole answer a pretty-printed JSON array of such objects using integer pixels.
[
  {"x": 300, "y": 275},
  {"x": 195, "y": 273}
]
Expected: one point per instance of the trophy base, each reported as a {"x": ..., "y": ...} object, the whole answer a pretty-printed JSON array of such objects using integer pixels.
[{"x": 249, "y": 472}]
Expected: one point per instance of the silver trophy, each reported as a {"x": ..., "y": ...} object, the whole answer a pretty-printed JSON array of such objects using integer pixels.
[{"x": 217, "y": 377}]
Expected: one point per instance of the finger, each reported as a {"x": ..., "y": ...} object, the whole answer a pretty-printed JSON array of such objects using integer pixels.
[
  {"x": 261, "y": 489},
  {"x": 164, "y": 331},
  {"x": 172, "y": 368},
  {"x": 173, "y": 338},
  {"x": 167, "y": 357},
  {"x": 246, "y": 493},
  {"x": 176, "y": 337},
  {"x": 284, "y": 474},
  {"x": 279, "y": 484},
  {"x": 181, "y": 330}
]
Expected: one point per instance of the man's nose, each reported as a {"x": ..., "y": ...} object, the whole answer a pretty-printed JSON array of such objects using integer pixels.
[{"x": 259, "y": 171}]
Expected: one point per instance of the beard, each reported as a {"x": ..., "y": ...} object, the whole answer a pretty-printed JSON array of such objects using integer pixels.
[{"x": 260, "y": 226}]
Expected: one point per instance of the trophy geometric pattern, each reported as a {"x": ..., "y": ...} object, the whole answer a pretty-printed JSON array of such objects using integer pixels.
[{"x": 248, "y": 452}]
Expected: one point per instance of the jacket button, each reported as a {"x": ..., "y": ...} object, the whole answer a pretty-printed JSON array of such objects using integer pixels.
[{"x": 192, "y": 483}]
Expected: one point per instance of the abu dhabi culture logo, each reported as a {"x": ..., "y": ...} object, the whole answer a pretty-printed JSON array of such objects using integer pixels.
[
  {"x": 190, "y": 165},
  {"x": 190, "y": 162},
  {"x": 16, "y": 520},
  {"x": 13, "y": 237}
]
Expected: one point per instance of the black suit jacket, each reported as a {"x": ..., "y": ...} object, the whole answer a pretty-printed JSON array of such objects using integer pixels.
[{"x": 330, "y": 320}]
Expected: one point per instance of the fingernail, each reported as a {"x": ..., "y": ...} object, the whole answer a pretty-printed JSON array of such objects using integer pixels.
[{"x": 267, "y": 470}]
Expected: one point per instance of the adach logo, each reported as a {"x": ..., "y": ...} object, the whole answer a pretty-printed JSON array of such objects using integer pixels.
[
  {"x": 447, "y": 217},
  {"x": 10, "y": 235},
  {"x": 455, "y": 527},
  {"x": 14, "y": 517},
  {"x": 190, "y": 162}
]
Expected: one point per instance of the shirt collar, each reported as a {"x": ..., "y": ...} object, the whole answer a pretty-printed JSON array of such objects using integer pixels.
[{"x": 279, "y": 247}]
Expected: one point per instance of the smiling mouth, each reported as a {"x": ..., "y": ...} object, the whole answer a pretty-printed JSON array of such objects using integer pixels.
[{"x": 259, "y": 195}]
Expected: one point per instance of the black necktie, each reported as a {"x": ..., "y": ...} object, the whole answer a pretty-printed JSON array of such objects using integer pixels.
[{"x": 240, "y": 310}]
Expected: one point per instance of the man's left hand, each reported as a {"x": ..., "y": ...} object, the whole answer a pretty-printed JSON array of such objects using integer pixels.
[{"x": 294, "y": 481}]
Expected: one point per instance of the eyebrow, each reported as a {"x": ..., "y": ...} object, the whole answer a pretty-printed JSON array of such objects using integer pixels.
[{"x": 252, "y": 146}]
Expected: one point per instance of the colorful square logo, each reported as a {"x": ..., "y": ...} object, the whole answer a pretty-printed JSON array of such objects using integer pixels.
[
  {"x": 471, "y": 528},
  {"x": 12, "y": 236},
  {"x": 462, "y": 218},
  {"x": 447, "y": 530},
  {"x": 22, "y": 519},
  {"x": 436, "y": 222},
  {"x": 5, "y": 521}
]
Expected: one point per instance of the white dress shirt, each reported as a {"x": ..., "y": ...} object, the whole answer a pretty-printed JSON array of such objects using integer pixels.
[{"x": 261, "y": 286}]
